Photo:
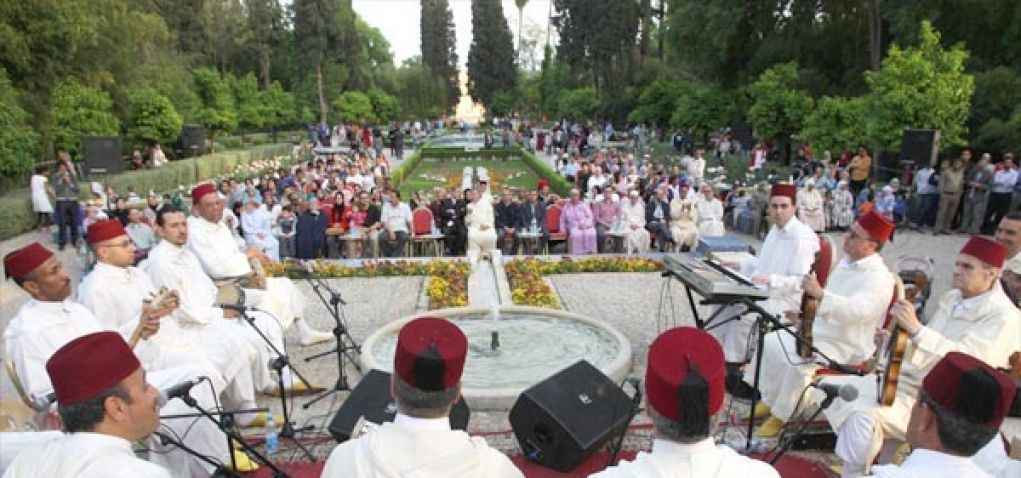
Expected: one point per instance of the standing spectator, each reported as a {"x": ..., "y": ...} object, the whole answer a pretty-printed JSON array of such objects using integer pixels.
[
  {"x": 65, "y": 188},
  {"x": 396, "y": 222},
  {"x": 810, "y": 207},
  {"x": 860, "y": 168},
  {"x": 951, "y": 185},
  {"x": 926, "y": 196},
  {"x": 1003, "y": 188},
  {"x": 696, "y": 167},
  {"x": 41, "y": 200},
  {"x": 978, "y": 182},
  {"x": 843, "y": 207}
]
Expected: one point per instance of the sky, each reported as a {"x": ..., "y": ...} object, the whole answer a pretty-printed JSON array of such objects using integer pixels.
[{"x": 398, "y": 20}]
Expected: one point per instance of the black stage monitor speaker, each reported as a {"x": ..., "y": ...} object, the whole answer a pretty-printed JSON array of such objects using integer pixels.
[
  {"x": 920, "y": 146},
  {"x": 102, "y": 155},
  {"x": 193, "y": 140},
  {"x": 371, "y": 401},
  {"x": 564, "y": 419}
]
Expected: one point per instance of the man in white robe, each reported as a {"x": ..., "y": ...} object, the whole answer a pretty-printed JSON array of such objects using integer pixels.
[
  {"x": 684, "y": 383},
  {"x": 96, "y": 372},
  {"x": 481, "y": 224},
  {"x": 213, "y": 243},
  {"x": 959, "y": 408},
  {"x": 50, "y": 320},
  {"x": 710, "y": 213},
  {"x": 975, "y": 318},
  {"x": 426, "y": 382},
  {"x": 786, "y": 256},
  {"x": 257, "y": 224},
  {"x": 810, "y": 207},
  {"x": 851, "y": 309},
  {"x": 115, "y": 290},
  {"x": 683, "y": 219},
  {"x": 636, "y": 237}
]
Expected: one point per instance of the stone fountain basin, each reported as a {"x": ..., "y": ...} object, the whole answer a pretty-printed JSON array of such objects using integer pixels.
[{"x": 534, "y": 344}]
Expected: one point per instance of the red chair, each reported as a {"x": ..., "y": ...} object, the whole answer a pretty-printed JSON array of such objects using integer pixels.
[
  {"x": 422, "y": 222},
  {"x": 553, "y": 214}
]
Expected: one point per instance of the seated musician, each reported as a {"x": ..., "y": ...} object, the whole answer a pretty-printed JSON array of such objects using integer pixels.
[
  {"x": 786, "y": 256},
  {"x": 851, "y": 308},
  {"x": 961, "y": 403},
  {"x": 975, "y": 318}
]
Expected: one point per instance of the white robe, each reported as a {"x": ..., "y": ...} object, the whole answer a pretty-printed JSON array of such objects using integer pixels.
[
  {"x": 704, "y": 459},
  {"x": 683, "y": 224},
  {"x": 40, "y": 328},
  {"x": 83, "y": 455},
  {"x": 923, "y": 463},
  {"x": 786, "y": 256},
  {"x": 177, "y": 268},
  {"x": 993, "y": 460},
  {"x": 481, "y": 213},
  {"x": 418, "y": 448},
  {"x": 637, "y": 238},
  {"x": 852, "y": 309},
  {"x": 810, "y": 209},
  {"x": 258, "y": 227},
  {"x": 986, "y": 326},
  {"x": 710, "y": 217}
]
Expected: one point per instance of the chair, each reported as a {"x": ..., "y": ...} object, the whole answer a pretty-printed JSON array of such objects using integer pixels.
[
  {"x": 422, "y": 223},
  {"x": 553, "y": 214},
  {"x": 12, "y": 373}
]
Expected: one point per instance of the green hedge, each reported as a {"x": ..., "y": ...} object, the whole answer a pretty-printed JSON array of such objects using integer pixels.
[
  {"x": 401, "y": 172},
  {"x": 557, "y": 183},
  {"x": 16, "y": 214}
]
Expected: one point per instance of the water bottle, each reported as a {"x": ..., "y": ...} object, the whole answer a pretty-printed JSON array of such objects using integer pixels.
[
  {"x": 534, "y": 228},
  {"x": 272, "y": 437},
  {"x": 351, "y": 228},
  {"x": 433, "y": 229}
]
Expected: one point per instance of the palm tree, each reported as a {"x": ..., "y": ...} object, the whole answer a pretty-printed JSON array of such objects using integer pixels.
[{"x": 521, "y": 16}]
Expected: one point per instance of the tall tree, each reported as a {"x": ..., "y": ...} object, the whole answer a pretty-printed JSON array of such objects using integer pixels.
[
  {"x": 778, "y": 107},
  {"x": 266, "y": 30},
  {"x": 439, "y": 44},
  {"x": 316, "y": 37},
  {"x": 491, "y": 57},
  {"x": 598, "y": 37}
]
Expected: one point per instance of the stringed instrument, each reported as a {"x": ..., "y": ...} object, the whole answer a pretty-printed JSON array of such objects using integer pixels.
[
  {"x": 898, "y": 343},
  {"x": 809, "y": 306},
  {"x": 155, "y": 303}
]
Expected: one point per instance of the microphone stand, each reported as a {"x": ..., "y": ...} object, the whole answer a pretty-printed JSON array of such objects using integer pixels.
[
  {"x": 218, "y": 469},
  {"x": 345, "y": 343},
  {"x": 232, "y": 436},
  {"x": 787, "y": 441},
  {"x": 279, "y": 363}
]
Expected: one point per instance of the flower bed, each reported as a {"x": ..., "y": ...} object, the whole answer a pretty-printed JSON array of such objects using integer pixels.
[
  {"x": 448, "y": 280},
  {"x": 526, "y": 275}
]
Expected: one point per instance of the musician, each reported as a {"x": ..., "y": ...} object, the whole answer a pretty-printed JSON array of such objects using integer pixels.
[
  {"x": 975, "y": 318},
  {"x": 221, "y": 258},
  {"x": 51, "y": 319},
  {"x": 115, "y": 292},
  {"x": 961, "y": 403},
  {"x": 786, "y": 256},
  {"x": 105, "y": 404},
  {"x": 684, "y": 382},
  {"x": 426, "y": 382},
  {"x": 851, "y": 308}
]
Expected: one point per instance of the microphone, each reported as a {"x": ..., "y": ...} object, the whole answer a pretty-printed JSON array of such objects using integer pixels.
[
  {"x": 41, "y": 404},
  {"x": 179, "y": 390},
  {"x": 846, "y": 391},
  {"x": 239, "y": 308}
]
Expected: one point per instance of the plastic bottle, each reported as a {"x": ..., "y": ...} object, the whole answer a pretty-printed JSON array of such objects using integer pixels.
[
  {"x": 272, "y": 435},
  {"x": 534, "y": 228},
  {"x": 351, "y": 228}
]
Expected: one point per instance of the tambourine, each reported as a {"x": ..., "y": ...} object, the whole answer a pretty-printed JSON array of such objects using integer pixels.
[{"x": 230, "y": 294}]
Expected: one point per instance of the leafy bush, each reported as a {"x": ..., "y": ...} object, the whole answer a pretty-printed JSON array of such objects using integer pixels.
[
  {"x": 153, "y": 117},
  {"x": 79, "y": 111},
  {"x": 18, "y": 141},
  {"x": 354, "y": 107}
]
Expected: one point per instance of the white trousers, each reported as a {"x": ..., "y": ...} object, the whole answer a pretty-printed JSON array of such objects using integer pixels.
[
  {"x": 785, "y": 376},
  {"x": 200, "y": 434}
]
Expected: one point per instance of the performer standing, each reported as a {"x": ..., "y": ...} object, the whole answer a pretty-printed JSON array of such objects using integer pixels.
[
  {"x": 684, "y": 384},
  {"x": 851, "y": 309},
  {"x": 426, "y": 382},
  {"x": 221, "y": 258},
  {"x": 105, "y": 404},
  {"x": 786, "y": 256},
  {"x": 975, "y": 318}
]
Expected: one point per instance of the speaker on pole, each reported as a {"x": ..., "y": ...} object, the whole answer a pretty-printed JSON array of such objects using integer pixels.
[
  {"x": 102, "y": 155},
  {"x": 193, "y": 140},
  {"x": 566, "y": 418},
  {"x": 370, "y": 401},
  {"x": 920, "y": 146}
]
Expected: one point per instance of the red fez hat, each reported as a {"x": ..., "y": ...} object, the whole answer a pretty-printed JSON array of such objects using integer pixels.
[
  {"x": 985, "y": 250},
  {"x": 198, "y": 192},
  {"x": 430, "y": 353},
  {"x": 542, "y": 183},
  {"x": 19, "y": 263},
  {"x": 877, "y": 225},
  {"x": 104, "y": 230},
  {"x": 90, "y": 364},
  {"x": 970, "y": 388},
  {"x": 785, "y": 190},
  {"x": 673, "y": 356}
]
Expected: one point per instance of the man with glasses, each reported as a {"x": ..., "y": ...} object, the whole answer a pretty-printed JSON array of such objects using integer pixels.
[{"x": 851, "y": 308}]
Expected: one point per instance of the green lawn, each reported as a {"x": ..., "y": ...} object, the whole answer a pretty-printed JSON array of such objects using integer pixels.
[{"x": 512, "y": 173}]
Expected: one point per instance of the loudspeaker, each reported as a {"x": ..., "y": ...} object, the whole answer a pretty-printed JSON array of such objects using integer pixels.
[
  {"x": 102, "y": 155},
  {"x": 920, "y": 146},
  {"x": 193, "y": 140},
  {"x": 564, "y": 419},
  {"x": 371, "y": 401}
]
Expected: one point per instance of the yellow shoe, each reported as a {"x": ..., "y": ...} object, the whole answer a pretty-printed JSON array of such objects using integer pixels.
[
  {"x": 259, "y": 421},
  {"x": 243, "y": 463},
  {"x": 761, "y": 411},
  {"x": 297, "y": 388},
  {"x": 836, "y": 470},
  {"x": 770, "y": 428}
]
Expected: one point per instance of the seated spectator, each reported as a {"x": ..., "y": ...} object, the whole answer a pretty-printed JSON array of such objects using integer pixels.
[
  {"x": 141, "y": 234},
  {"x": 396, "y": 225}
]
